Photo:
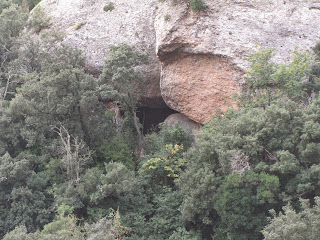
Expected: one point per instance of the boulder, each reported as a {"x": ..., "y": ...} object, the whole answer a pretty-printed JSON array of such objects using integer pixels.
[
  {"x": 203, "y": 54},
  {"x": 185, "y": 122}
]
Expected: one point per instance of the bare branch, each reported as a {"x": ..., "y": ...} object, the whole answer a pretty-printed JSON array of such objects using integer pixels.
[
  {"x": 239, "y": 163},
  {"x": 75, "y": 154}
]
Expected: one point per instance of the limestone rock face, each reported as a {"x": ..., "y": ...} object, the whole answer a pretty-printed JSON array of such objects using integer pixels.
[
  {"x": 203, "y": 53},
  {"x": 181, "y": 119},
  {"x": 88, "y": 27}
]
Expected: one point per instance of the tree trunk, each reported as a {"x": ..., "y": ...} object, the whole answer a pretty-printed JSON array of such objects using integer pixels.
[
  {"x": 139, "y": 147},
  {"x": 84, "y": 128}
]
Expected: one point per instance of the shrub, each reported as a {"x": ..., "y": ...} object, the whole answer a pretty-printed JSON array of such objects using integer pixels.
[
  {"x": 167, "y": 17},
  {"x": 39, "y": 20},
  {"x": 175, "y": 134},
  {"x": 197, "y": 5},
  {"x": 108, "y": 7},
  {"x": 80, "y": 26},
  {"x": 166, "y": 169},
  {"x": 290, "y": 224},
  {"x": 117, "y": 151}
]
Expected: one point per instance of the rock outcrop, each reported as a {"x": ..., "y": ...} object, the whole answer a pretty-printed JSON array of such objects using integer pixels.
[
  {"x": 92, "y": 29},
  {"x": 185, "y": 122},
  {"x": 203, "y": 54}
]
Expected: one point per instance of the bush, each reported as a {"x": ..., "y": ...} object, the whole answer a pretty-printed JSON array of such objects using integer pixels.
[
  {"x": 165, "y": 169},
  {"x": 167, "y": 17},
  {"x": 39, "y": 20},
  {"x": 108, "y": 7},
  {"x": 175, "y": 134},
  {"x": 80, "y": 25},
  {"x": 293, "y": 225},
  {"x": 117, "y": 151},
  {"x": 197, "y": 5}
]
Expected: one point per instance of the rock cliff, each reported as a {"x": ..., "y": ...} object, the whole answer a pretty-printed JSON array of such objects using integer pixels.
[
  {"x": 202, "y": 55},
  {"x": 92, "y": 29}
]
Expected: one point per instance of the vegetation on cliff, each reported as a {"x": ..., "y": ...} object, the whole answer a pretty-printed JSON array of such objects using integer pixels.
[{"x": 69, "y": 170}]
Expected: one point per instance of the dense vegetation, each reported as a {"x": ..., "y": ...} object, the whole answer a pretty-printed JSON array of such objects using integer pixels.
[{"x": 69, "y": 169}]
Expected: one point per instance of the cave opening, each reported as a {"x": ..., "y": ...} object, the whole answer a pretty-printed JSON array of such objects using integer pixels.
[{"x": 151, "y": 117}]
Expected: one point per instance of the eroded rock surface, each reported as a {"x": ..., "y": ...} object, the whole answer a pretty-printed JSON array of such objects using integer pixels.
[
  {"x": 88, "y": 27},
  {"x": 210, "y": 47},
  {"x": 202, "y": 54},
  {"x": 185, "y": 122},
  {"x": 198, "y": 84}
]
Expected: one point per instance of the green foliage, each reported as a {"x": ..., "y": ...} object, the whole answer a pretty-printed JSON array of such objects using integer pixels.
[
  {"x": 117, "y": 151},
  {"x": 197, "y": 5},
  {"x": 25, "y": 4},
  {"x": 20, "y": 232},
  {"x": 39, "y": 20},
  {"x": 117, "y": 181},
  {"x": 280, "y": 140},
  {"x": 268, "y": 81},
  {"x": 175, "y": 134},
  {"x": 64, "y": 227},
  {"x": 242, "y": 202},
  {"x": 32, "y": 3},
  {"x": 199, "y": 184},
  {"x": 155, "y": 143},
  {"x": 63, "y": 95},
  {"x": 165, "y": 170},
  {"x": 52, "y": 117},
  {"x": 101, "y": 230},
  {"x": 119, "y": 72},
  {"x": 295, "y": 225},
  {"x": 23, "y": 198},
  {"x": 166, "y": 217},
  {"x": 167, "y": 17},
  {"x": 79, "y": 26},
  {"x": 29, "y": 4},
  {"x": 108, "y": 7},
  {"x": 12, "y": 21},
  {"x": 183, "y": 234}
]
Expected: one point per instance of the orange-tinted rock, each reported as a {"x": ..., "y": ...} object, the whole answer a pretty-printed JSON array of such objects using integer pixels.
[
  {"x": 197, "y": 85},
  {"x": 204, "y": 53}
]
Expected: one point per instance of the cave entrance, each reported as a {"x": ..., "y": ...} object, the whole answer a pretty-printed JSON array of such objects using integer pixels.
[{"x": 151, "y": 117}]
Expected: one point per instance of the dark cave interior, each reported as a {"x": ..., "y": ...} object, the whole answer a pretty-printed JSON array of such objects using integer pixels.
[{"x": 151, "y": 117}]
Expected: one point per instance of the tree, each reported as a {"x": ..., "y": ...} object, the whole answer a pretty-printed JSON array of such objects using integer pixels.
[
  {"x": 281, "y": 140},
  {"x": 75, "y": 155},
  {"x": 24, "y": 199},
  {"x": 55, "y": 91},
  {"x": 165, "y": 169},
  {"x": 199, "y": 184},
  {"x": 290, "y": 224},
  {"x": 107, "y": 228},
  {"x": 12, "y": 20},
  {"x": 242, "y": 202},
  {"x": 117, "y": 181},
  {"x": 63, "y": 227},
  {"x": 119, "y": 72},
  {"x": 268, "y": 82}
]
